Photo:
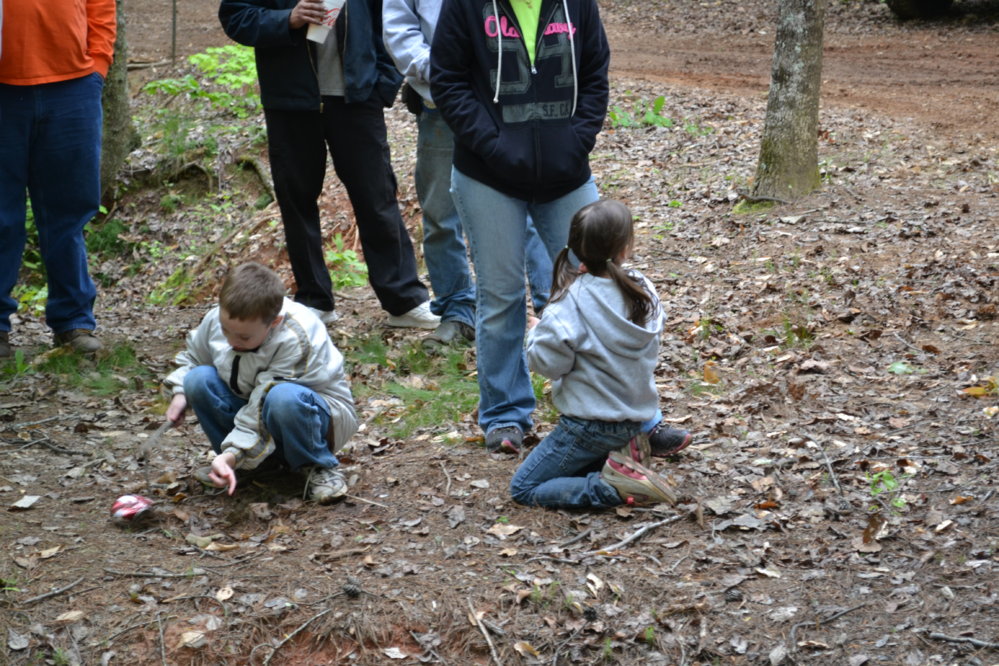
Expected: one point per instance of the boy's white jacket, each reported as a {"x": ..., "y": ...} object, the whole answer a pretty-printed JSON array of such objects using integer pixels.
[
  {"x": 601, "y": 363},
  {"x": 297, "y": 350},
  {"x": 408, "y": 30}
]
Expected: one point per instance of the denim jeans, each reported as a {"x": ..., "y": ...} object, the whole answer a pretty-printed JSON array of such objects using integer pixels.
[
  {"x": 496, "y": 225},
  {"x": 563, "y": 471},
  {"x": 50, "y": 147},
  {"x": 295, "y": 416},
  {"x": 539, "y": 269},
  {"x": 443, "y": 239}
]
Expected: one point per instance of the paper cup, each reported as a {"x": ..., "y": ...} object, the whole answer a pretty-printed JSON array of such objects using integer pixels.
[{"x": 318, "y": 32}]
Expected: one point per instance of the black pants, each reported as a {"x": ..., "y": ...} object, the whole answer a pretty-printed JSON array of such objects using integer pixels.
[{"x": 357, "y": 140}]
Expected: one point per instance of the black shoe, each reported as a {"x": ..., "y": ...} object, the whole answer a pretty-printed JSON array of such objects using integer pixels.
[
  {"x": 665, "y": 441},
  {"x": 507, "y": 439},
  {"x": 448, "y": 333},
  {"x": 80, "y": 340},
  {"x": 5, "y": 350}
]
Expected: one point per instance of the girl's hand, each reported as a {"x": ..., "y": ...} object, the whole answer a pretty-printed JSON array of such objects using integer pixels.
[
  {"x": 222, "y": 473},
  {"x": 532, "y": 321},
  {"x": 178, "y": 405}
]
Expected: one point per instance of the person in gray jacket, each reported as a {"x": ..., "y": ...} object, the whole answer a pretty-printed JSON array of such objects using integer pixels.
[
  {"x": 267, "y": 384},
  {"x": 598, "y": 341}
]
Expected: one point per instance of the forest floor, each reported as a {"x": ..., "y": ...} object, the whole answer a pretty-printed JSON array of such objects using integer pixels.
[{"x": 836, "y": 359}]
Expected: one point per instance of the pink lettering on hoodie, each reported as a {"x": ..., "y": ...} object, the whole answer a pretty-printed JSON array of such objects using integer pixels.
[{"x": 509, "y": 31}]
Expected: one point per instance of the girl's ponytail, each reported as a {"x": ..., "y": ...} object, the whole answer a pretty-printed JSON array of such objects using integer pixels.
[{"x": 564, "y": 273}]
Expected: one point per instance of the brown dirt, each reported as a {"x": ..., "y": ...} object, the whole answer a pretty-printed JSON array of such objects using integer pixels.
[{"x": 843, "y": 330}]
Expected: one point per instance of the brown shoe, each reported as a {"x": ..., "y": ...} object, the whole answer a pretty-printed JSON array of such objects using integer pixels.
[
  {"x": 80, "y": 340},
  {"x": 5, "y": 350}
]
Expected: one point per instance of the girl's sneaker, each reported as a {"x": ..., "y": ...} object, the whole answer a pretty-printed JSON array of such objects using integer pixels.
[
  {"x": 635, "y": 483},
  {"x": 638, "y": 449},
  {"x": 665, "y": 441}
]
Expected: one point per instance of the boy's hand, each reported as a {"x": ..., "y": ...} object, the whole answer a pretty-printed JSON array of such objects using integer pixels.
[
  {"x": 222, "y": 473},
  {"x": 178, "y": 405}
]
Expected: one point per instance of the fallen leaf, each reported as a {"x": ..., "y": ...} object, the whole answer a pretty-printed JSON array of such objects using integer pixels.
[
  {"x": 503, "y": 530},
  {"x": 69, "y": 617},
  {"x": 192, "y": 639},
  {"x": 710, "y": 374},
  {"x": 224, "y": 593},
  {"x": 221, "y": 547},
  {"x": 25, "y": 502},
  {"x": 394, "y": 653},
  {"x": 525, "y": 648},
  {"x": 508, "y": 552},
  {"x": 49, "y": 552}
]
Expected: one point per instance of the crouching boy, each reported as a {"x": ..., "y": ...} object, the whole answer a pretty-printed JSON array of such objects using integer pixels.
[{"x": 266, "y": 383}]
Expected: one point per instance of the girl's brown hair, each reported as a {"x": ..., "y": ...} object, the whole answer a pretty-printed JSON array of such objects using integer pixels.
[
  {"x": 252, "y": 291},
  {"x": 599, "y": 233}
]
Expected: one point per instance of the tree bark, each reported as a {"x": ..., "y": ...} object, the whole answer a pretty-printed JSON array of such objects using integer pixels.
[
  {"x": 788, "y": 166},
  {"x": 120, "y": 136}
]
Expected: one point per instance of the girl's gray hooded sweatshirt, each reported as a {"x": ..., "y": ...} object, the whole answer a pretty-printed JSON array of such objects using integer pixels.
[{"x": 600, "y": 363}]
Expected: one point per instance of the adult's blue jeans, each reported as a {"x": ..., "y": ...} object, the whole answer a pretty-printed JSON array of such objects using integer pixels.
[
  {"x": 50, "y": 148},
  {"x": 496, "y": 225},
  {"x": 563, "y": 471},
  {"x": 539, "y": 269},
  {"x": 296, "y": 417},
  {"x": 443, "y": 239}
]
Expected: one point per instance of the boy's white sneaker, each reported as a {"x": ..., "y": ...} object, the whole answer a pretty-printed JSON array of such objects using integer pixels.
[
  {"x": 324, "y": 484},
  {"x": 418, "y": 317}
]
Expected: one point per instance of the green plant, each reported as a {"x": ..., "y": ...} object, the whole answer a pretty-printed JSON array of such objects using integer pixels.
[
  {"x": 650, "y": 635},
  {"x": 108, "y": 374},
  {"x": 227, "y": 81},
  {"x": 885, "y": 489},
  {"x": 643, "y": 113},
  {"x": 797, "y": 335},
  {"x": 346, "y": 268},
  {"x": 32, "y": 297},
  {"x": 16, "y": 366}
]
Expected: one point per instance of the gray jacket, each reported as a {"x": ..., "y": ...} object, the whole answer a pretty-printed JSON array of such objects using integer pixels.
[
  {"x": 408, "y": 29},
  {"x": 297, "y": 350},
  {"x": 601, "y": 363}
]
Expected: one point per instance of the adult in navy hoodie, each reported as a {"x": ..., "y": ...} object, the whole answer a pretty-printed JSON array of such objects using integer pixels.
[
  {"x": 525, "y": 114},
  {"x": 330, "y": 97}
]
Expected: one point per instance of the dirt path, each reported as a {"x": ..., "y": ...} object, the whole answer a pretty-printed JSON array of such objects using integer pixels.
[{"x": 943, "y": 73}]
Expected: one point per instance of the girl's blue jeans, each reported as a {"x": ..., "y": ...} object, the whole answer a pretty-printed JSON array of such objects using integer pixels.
[
  {"x": 295, "y": 416},
  {"x": 563, "y": 471}
]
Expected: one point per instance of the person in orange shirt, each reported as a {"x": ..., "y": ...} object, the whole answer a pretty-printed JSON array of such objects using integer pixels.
[{"x": 54, "y": 58}]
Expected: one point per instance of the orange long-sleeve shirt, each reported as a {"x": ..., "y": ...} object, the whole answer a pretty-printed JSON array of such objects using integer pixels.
[{"x": 45, "y": 41}]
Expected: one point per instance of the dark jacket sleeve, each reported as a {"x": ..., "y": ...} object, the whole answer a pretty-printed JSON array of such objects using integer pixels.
[
  {"x": 594, "y": 89},
  {"x": 259, "y": 23},
  {"x": 452, "y": 59}
]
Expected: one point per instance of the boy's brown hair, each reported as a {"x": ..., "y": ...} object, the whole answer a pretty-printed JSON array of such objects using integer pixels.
[{"x": 252, "y": 291}]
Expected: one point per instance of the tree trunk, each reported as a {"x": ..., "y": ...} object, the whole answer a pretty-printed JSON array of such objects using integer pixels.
[
  {"x": 788, "y": 166},
  {"x": 120, "y": 136}
]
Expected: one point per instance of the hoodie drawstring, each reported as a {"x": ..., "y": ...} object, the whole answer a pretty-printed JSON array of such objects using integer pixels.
[
  {"x": 572, "y": 56},
  {"x": 499, "y": 51}
]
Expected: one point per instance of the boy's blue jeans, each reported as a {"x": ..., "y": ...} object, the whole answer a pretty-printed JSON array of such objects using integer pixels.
[
  {"x": 50, "y": 148},
  {"x": 295, "y": 416},
  {"x": 563, "y": 471},
  {"x": 496, "y": 225}
]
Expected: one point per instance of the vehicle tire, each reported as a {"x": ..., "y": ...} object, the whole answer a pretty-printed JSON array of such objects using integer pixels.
[{"x": 911, "y": 9}]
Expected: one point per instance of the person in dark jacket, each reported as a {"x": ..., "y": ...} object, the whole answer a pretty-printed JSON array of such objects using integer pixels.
[
  {"x": 523, "y": 86},
  {"x": 330, "y": 96}
]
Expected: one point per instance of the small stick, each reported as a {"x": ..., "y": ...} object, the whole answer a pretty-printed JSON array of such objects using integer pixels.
[
  {"x": 53, "y": 593},
  {"x": 31, "y": 424},
  {"x": 819, "y": 623},
  {"x": 578, "y": 537},
  {"x": 634, "y": 536},
  {"x": 361, "y": 499},
  {"x": 294, "y": 633},
  {"x": 971, "y": 641},
  {"x": 159, "y": 623},
  {"x": 904, "y": 342},
  {"x": 150, "y": 574},
  {"x": 485, "y": 633},
  {"x": 447, "y": 491},
  {"x": 832, "y": 474}
]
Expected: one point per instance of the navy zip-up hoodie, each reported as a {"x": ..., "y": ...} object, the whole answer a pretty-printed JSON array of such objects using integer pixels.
[
  {"x": 285, "y": 58},
  {"x": 531, "y": 139}
]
